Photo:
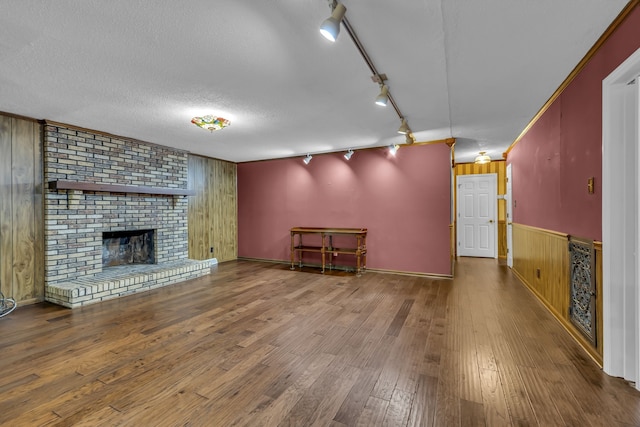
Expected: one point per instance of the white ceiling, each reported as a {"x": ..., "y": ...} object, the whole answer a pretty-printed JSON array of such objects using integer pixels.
[{"x": 474, "y": 70}]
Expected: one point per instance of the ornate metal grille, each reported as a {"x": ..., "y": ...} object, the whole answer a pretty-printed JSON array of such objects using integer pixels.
[{"x": 582, "y": 305}]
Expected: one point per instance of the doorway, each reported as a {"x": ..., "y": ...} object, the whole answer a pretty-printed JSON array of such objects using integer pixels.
[
  {"x": 620, "y": 216},
  {"x": 476, "y": 228}
]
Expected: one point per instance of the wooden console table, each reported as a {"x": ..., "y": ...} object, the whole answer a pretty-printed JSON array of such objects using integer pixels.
[{"x": 325, "y": 247}]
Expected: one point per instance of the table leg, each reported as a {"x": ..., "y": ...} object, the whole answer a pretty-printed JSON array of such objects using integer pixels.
[
  {"x": 293, "y": 251},
  {"x": 323, "y": 253}
]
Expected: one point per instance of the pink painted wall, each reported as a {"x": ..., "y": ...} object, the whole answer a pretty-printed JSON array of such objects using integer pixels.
[
  {"x": 553, "y": 161},
  {"x": 403, "y": 201}
]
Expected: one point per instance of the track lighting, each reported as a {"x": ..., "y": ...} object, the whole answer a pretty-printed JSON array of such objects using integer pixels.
[
  {"x": 393, "y": 149},
  {"x": 330, "y": 28},
  {"x": 307, "y": 159},
  {"x": 348, "y": 154},
  {"x": 404, "y": 127},
  {"x": 383, "y": 97},
  {"x": 482, "y": 158},
  {"x": 409, "y": 139}
]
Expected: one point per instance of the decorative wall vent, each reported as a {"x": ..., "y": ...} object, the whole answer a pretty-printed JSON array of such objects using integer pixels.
[{"x": 582, "y": 302}]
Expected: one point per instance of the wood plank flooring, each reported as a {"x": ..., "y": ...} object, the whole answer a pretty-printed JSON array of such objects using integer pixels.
[{"x": 255, "y": 344}]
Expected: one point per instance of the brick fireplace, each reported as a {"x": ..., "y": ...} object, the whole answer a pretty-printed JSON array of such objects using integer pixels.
[{"x": 76, "y": 221}]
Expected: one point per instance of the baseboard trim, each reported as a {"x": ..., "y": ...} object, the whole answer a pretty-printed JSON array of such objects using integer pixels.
[
  {"x": 373, "y": 270},
  {"x": 575, "y": 334}
]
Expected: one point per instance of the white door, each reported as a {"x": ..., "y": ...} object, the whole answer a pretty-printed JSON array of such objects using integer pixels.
[
  {"x": 476, "y": 217},
  {"x": 620, "y": 221},
  {"x": 509, "y": 219}
]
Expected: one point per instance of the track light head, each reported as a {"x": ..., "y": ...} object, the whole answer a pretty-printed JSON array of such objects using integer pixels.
[
  {"x": 307, "y": 159},
  {"x": 330, "y": 28},
  {"x": 404, "y": 127},
  {"x": 383, "y": 97},
  {"x": 348, "y": 154},
  {"x": 409, "y": 138},
  {"x": 393, "y": 149}
]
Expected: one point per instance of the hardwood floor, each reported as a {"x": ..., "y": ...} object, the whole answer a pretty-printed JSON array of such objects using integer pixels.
[{"x": 256, "y": 344}]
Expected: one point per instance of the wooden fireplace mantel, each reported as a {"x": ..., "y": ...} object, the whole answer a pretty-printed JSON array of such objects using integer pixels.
[{"x": 114, "y": 188}]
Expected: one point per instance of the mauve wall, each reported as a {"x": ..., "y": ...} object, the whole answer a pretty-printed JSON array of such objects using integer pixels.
[
  {"x": 554, "y": 160},
  {"x": 403, "y": 201}
]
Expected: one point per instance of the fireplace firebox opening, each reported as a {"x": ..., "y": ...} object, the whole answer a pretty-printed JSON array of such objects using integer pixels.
[{"x": 128, "y": 247}]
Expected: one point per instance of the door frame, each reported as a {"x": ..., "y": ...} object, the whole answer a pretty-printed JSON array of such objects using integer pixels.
[
  {"x": 620, "y": 281},
  {"x": 494, "y": 192},
  {"x": 509, "y": 215}
]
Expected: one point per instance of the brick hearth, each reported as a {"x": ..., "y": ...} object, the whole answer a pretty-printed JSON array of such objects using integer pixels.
[{"x": 124, "y": 280}]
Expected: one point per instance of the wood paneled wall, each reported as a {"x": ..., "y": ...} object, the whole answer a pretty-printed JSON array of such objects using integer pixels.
[
  {"x": 498, "y": 167},
  {"x": 541, "y": 261},
  {"x": 21, "y": 210},
  {"x": 213, "y": 211}
]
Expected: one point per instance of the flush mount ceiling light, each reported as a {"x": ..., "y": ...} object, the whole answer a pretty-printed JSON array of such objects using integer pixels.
[
  {"x": 307, "y": 159},
  {"x": 383, "y": 97},
  {"x": 330, "y": 28},
  {"x": 348, "y": 154},
  {"x": 210, "y": 122},
  {"x": 404, "y": 127},
  {"x": 482, "y": 158},
  {"x": 393, "y": 149}
]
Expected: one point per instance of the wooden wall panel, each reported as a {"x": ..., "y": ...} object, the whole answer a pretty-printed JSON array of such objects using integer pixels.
[
  {"x": 598, "y": 249},
  {"x": 6, "y": 219},
  {"x": 541, "y": 261},
  {"x": 498, "y": 167},
  {"x": 213, "y": 211},
  {"x": 21, "y": 210}
]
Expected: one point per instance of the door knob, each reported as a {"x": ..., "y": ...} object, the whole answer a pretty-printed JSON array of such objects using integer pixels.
[{"x": 491, "y": 221}]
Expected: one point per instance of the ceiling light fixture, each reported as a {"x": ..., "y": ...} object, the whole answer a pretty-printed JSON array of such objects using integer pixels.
[
  {"x": 348, "y": 154},
  {"x": 393, "y": 149},
  {"x": 404, "y": 127},
  {"x": 330, "y": 28},
  {"x": 482, "y": 158},
  {"x": 383, "y": 97},
  {"x": 307, "y": 159},
  {"x": 210, "y": 122}
]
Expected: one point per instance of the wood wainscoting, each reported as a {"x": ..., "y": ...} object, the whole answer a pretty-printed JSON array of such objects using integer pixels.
[
  {"x": 21, "y": 210},
  {"x": 213, "y": 210},
  {"x": 541, "y": 261}
]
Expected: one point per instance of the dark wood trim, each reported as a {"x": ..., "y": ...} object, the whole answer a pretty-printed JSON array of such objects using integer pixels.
[
  {"x": 19, "y": 117},
  {"x": 472, "y": 163},
  {"x": 113, "y": 188},
  {"x": 578, "y": 68},
  {"x": 448, "y": 141}
]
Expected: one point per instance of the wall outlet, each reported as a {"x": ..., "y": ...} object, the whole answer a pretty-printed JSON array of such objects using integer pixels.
[
  {"x": 211, "y": 249},
  {"x": 538, "y": 273}
]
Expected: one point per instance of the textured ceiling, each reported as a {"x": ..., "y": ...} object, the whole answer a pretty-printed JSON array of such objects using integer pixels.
[{"x": 477, "y": 71}]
